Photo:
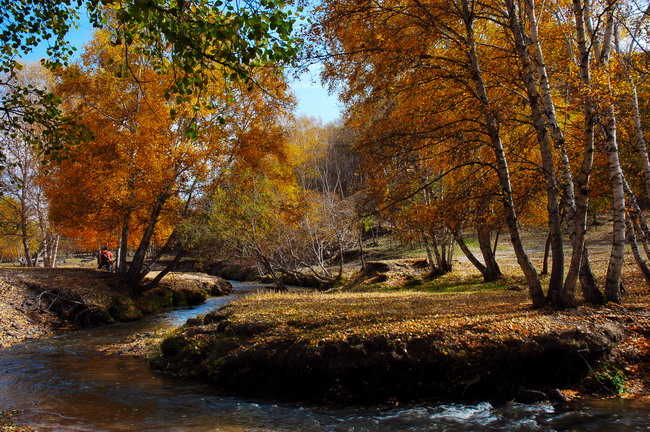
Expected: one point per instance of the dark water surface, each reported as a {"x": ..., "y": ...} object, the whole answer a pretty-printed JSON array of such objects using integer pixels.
[{"x": 64, "y": 384}]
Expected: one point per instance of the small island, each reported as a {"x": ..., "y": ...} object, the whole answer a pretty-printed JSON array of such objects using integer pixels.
[{"x": 432, "y": 340}]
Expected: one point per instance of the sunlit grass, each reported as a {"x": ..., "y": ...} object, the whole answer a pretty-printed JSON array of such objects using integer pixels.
[
  {"x": 317, "y": 318},
  {"x": 463, "y": 278}
]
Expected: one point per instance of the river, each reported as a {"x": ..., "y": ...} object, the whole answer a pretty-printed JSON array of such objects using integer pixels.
[{"x": 65, "y": 384}]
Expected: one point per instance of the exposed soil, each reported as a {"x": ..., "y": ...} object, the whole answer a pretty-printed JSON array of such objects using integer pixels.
[{"x": 39, "y": 301}]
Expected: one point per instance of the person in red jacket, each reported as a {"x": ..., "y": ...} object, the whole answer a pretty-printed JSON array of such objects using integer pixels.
[{"x": 106, "y": 259}]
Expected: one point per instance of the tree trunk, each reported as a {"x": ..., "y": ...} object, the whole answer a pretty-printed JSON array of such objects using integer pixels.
[
  {"x": 590, "y": 290},
  {"x": 450, "y": 254},
  {"x": 124, "y": 244},
  {"x": 167, "y": 248},
  {"x": 341, "y": 259},
  {"x": 550, "y": 115},
  {"x": 496, "y": 243},
  {"x": 36, "y": 257},
  {"x": 436, "y": 253},
  {"x": 547, "y": 248},
  {"x": 637, "y": 216},
  {"x": 55, "y": 250},
  {"x": 492, "y": 128},
  {"x": 640, "y": 138},
  {"x": 613, "y": 279},
  {"x": 135, "y": 273},
  {"x": 45, "y": 249},
  {"x": 430, "y": 260},
  {"x": 470, "y": 256},
  {"x": 576, "y": 212},
  {"x": 580, "y": 265},
  {"x": 168, "y": 268},
  {"x": 637, "y": 223},
  {"x": 28, "y": 255},
  {"x": 363, "y": 258},
  {"x": 544, "y": 143},
  {"x": 446, "y": 249},
  {"x": 492, "y": 270},
  {"x": 442, "y": 253},
  {"x": 24, "y": 233},
  {"x": 579, "y": 268},
  {"x": 279, "y": 285},
  {"x": 634, "y": 247}
]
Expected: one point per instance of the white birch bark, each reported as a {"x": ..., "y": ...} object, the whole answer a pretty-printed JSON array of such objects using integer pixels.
[
  {"x": 492, "y": 129},
  {"x": 615, "y": 266},
  {"x": 640, "y": 137},
  {"x": 634, "y": 247},
  {"x": 575, "y": 209},
  {"x": 544, "y": 143}
]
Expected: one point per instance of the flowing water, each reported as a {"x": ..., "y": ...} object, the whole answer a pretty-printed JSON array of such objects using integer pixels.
[{"x": 65, "y": 384}]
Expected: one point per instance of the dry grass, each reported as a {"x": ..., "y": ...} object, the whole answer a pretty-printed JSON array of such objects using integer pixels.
[
  {"x": 340, "y": 332},
  {"x": 410, "y": 304},
  {"x": 319, "y": 318}
]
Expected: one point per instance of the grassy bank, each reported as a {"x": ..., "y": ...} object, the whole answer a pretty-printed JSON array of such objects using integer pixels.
[{"x": 369, "y": 347}]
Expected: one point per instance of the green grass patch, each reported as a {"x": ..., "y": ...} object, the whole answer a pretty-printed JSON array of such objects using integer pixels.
[
  {"x": 451, "y": 283},
  {"x": 413, "y": 282}
]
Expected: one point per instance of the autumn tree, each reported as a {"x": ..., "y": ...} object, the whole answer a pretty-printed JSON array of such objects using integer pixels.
[
  {"x": 194, "y": 41},
  {"x": 252, "y": 215},
  {"x": 326, "y": 172},
  {"x": 472, "y": 75},
  {"x": 293, "y": 214},
  {"x": 630, "y": 69},
  {"x": 411, "y": 77},
  {"x": 135, "y": 180},
  {"x": 20, "y": 184}
]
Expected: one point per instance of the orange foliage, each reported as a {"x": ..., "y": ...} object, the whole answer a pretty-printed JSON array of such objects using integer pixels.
[
  {"x": 410, "y": 96},
  {"x": 141, "y": 156}
]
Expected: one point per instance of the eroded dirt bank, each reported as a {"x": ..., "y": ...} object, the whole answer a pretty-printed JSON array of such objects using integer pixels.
[
  {"x": 38, "y": 301},
  {"x": 372, "y": 347}
]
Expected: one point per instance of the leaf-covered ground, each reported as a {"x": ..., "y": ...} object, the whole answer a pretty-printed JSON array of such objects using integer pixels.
[
  {"x": 318, "y": 318},
  {"x": 10, "y": 422},
  {"x": 19, "y": 319}
]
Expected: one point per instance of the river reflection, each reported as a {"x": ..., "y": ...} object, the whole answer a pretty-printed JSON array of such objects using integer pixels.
[{"x": 65, "y": 384}]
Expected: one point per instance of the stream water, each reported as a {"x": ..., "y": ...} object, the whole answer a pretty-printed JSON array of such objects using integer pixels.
[{"x": 65, "y": 384}]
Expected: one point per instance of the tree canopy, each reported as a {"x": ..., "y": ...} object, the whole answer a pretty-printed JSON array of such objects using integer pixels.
[{"x": 194, "y": 41}]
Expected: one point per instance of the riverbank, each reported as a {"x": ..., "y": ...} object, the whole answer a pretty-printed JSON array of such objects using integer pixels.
[
  {"x": 40, "y": 301},
  {"x": 374, "y": 347},
  {"x": 10, "y": 422}
]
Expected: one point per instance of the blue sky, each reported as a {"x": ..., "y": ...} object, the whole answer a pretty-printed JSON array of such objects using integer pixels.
[{"x": 313, "y": 99}]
